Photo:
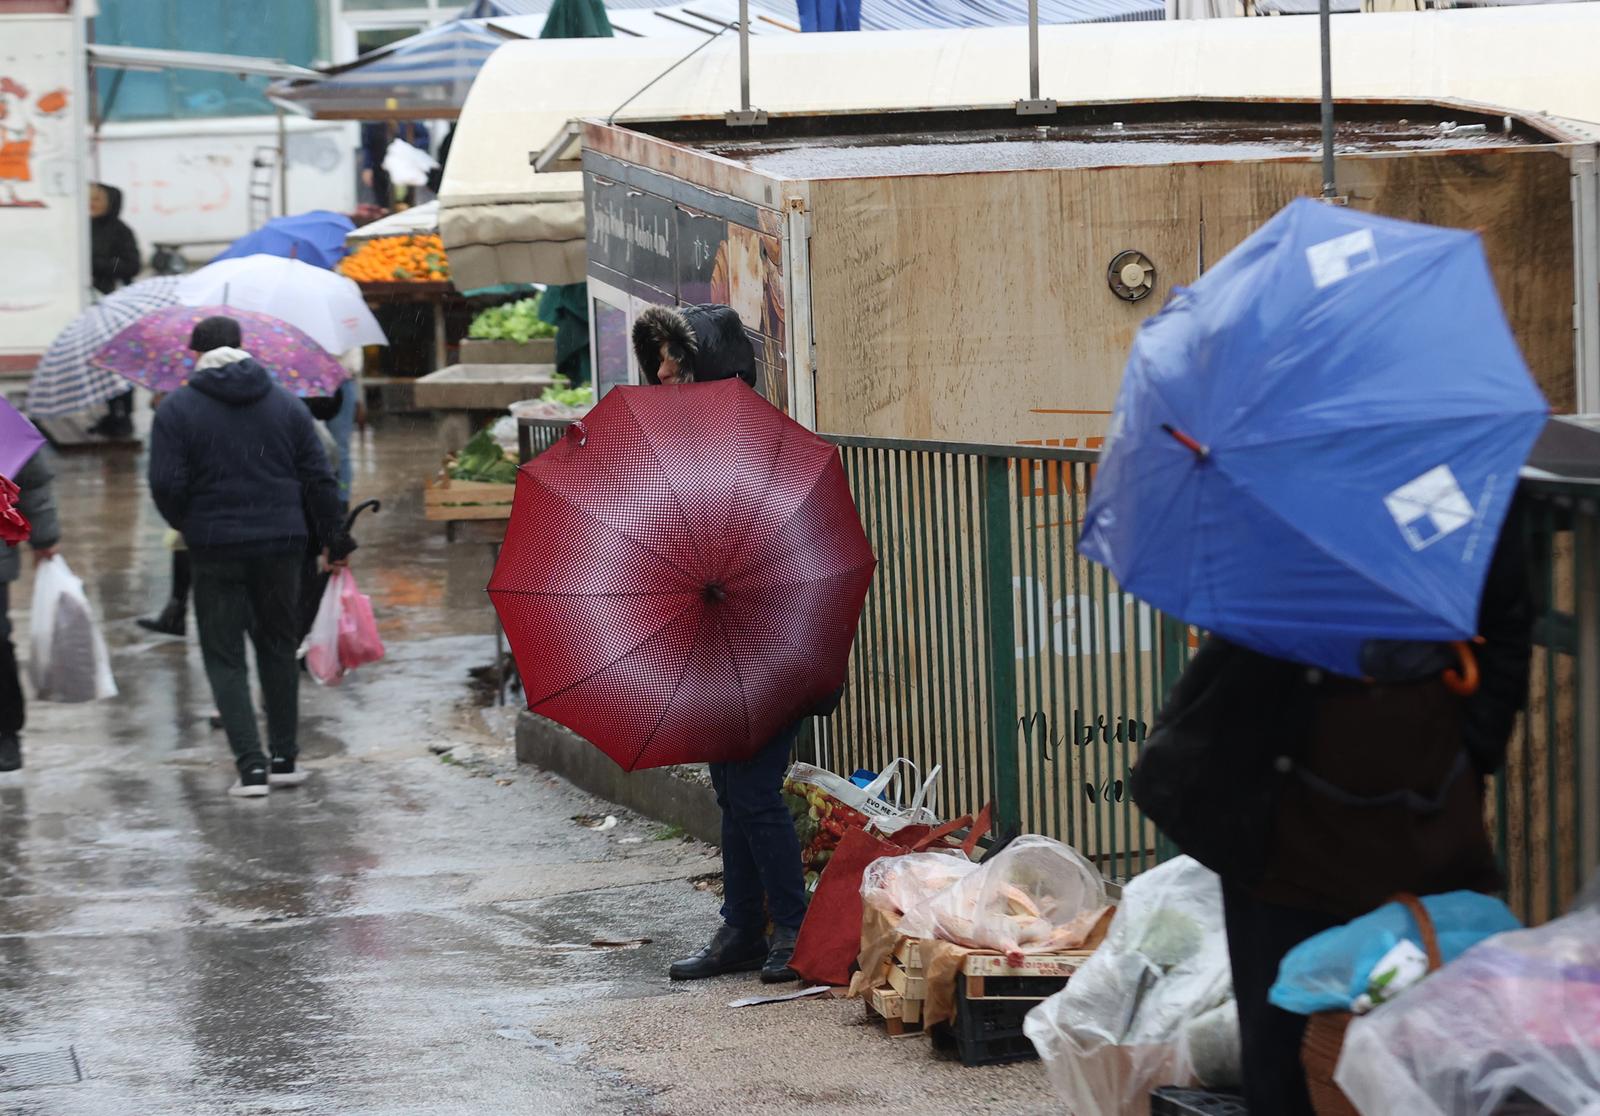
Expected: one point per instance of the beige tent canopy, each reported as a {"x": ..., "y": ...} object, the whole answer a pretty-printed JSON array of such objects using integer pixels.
[{"x": 503, "y": 223}]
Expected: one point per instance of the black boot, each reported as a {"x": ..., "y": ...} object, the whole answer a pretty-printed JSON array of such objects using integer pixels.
[
  {"x": 169, "y": 622},
  {"x": 731, "y": 951},
  {"x": 777, "y": 970},
  {"x": 10, "y": 752}
]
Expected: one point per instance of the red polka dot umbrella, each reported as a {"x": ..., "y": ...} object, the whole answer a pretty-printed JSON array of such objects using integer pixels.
[
  {"x": 682, "y": 575},
  {"x": 154, "y": 351}
]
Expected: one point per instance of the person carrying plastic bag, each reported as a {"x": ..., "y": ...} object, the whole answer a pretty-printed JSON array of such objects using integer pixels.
[
  {"x": 235, "y": 466},
  {"x": 36, "y": 504}
]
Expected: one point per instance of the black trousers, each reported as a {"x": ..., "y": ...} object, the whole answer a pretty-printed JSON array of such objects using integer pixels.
[
  {"x": 258, "y": 597},
  {"x": 1259, "y": 934},
  {"x": 12, "y": 708}
]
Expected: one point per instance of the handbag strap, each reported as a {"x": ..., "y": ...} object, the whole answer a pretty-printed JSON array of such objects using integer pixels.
[
  {"x": 934, "y": 836},
  {"x": 1425, "y": 926},
  {"x": 979, "y": 827}
]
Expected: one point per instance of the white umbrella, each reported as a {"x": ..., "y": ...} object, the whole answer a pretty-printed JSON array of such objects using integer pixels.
[{"x": 320, "y": 303}]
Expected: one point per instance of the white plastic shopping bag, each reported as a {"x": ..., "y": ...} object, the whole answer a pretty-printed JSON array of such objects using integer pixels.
[
  {"x": 321, "y": 647},
  {"x": 69, "y": 661},
  {"x": 407, "y": 165}
]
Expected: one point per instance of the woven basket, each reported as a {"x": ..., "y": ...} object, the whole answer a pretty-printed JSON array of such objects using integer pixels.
[{"x": 1319, "y": 1051}]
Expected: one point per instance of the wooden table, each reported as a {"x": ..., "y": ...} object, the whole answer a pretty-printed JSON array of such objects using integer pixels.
[
  {"x": 482, "y": 387},
  {"x": 434, "y": 293}
]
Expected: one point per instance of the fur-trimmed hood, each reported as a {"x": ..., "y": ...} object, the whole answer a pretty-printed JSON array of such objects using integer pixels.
[{"x": 709, "y": 341}]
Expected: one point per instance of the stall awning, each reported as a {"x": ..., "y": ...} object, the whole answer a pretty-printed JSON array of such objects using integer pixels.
[
  {"x": 423, "y": 77},
  {"x": 416, "y": 220},
  {"x": 1533, "y": 58},
  {"x": 110, "y": 56}
]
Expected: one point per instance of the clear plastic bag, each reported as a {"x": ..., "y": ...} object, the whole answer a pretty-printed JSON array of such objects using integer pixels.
[
  {"x": 1329, "y": 971},
  {"x": 1516, "y": 1019},
  {"x": 1121, "y": 1026},
  {"x": 1036, "y": 896},
  {"x": 68, "y": 658},
  {"x": 321, "y": 646},
  {"x": 897, "y": 883}
]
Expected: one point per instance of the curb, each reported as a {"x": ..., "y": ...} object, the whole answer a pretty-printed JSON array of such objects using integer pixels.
[{"x": 676, "y": 796}]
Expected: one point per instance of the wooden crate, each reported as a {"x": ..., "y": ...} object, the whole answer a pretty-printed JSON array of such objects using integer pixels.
[
  {"x": 989, "y": 976},
  {"x": 910, "y": 983},
  {"x": 900, "y": 1015},
  {"x": 444, "y": 500}
]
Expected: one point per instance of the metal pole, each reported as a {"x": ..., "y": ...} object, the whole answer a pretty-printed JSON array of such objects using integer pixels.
[
  {"x": 283, "y": 165},
  {"x": 1033, "y": 50},
  {"x": 744, "y": 55},
  {"x": 1034, "y": 105},
  {"x": 1324, "y": 16}
]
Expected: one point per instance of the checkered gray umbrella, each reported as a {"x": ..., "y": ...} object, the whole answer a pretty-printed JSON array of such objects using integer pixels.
[{"x": 65, "y": 382}]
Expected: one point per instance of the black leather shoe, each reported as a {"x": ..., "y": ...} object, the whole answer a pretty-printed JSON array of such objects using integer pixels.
[
  {"x": 10, "y": 752},
  {"x": 731, "y": 951},
  {"x": 777, "y": 970},
  {"x": 170, "y": 622}
]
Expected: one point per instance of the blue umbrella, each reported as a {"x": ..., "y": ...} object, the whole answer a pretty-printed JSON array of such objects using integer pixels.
[
  {"x": 315, "y": 238},
  {"x": 1317, "y": 443}
]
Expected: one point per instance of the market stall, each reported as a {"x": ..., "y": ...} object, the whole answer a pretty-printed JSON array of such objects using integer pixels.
[{"x": 1002, "y": 265}]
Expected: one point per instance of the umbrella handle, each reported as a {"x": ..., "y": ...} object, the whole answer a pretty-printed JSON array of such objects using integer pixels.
[{"x": 1464, "y": 683}]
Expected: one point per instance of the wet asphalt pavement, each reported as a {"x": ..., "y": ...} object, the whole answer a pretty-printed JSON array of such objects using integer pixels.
[{"x": 412, "y": 932}]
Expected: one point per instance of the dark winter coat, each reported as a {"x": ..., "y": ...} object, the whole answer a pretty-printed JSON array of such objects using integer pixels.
[
  {"x": 1331, "y": 794},
  {"x": 37, "y": 502},
  {"x": 235, "y": 464},
  {"x": 113, "y": 249},
  {"x": 708, "y": 341}
]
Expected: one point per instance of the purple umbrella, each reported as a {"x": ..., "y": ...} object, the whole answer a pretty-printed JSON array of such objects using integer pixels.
[
  {"x": 154, "y": 351},
  {"x": 19, "y": 440}
]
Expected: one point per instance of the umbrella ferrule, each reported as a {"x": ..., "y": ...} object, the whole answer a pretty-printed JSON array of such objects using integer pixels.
[{"x": 1200, "y": 451}]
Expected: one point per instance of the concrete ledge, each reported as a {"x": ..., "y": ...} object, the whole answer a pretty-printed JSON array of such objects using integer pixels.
[{"x": 677, "y": 796}]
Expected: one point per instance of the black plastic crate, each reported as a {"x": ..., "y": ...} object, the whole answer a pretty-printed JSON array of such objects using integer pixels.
[
  {"x": 1173, "y": 1101},
  {"x": 989, "y": 1032}
]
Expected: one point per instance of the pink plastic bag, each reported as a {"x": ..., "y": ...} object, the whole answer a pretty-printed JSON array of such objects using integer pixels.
[
  {"x": 358, "y": 631},
  {"x": 344, "y": 635}
]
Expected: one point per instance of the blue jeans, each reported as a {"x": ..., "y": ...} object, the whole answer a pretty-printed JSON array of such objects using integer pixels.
[
  {"x": 340, "y": 426},
  {"x": 761, "y": 873}
]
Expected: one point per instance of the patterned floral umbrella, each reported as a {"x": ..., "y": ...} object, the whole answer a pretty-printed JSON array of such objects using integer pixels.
[{"x": 154, "y": 351}]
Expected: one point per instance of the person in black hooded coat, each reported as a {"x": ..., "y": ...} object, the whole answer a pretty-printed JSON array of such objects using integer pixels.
[
  {"x": 693, "y": 344},
  {"x": 113, "y": 261},
  {"x": 761, "y": 872}
]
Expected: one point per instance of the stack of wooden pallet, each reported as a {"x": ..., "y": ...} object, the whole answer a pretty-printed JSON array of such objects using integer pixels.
[{"x": 900, "y": 1004}]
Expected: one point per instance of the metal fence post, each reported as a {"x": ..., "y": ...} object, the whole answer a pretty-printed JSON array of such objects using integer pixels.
[
  {"x": 1000, "y": 601},
  {"x": 1586, "y": 549}
]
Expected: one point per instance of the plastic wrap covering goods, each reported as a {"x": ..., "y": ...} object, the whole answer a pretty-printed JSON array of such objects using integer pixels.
[
  {"x": 1514, "y": 1021},
  {"x": 1153, "y": 1006},
  {"x": 1036, "y": 896},
  {"x": 898, "y": 883}
]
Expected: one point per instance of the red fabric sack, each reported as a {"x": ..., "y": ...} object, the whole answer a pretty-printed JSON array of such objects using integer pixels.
[{"x": 830, "y": 936}]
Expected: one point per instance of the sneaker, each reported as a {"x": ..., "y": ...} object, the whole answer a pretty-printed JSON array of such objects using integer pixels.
[
  {"x": 285, "y": 774},
  {"x": 10, "y": 752},
  {"x": 252, "y": 784}
]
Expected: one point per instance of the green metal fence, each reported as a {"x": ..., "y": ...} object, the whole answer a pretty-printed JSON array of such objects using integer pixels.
[
  {"x": 1546, "y": 804},
  {"x": 991, "y": 648}
]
